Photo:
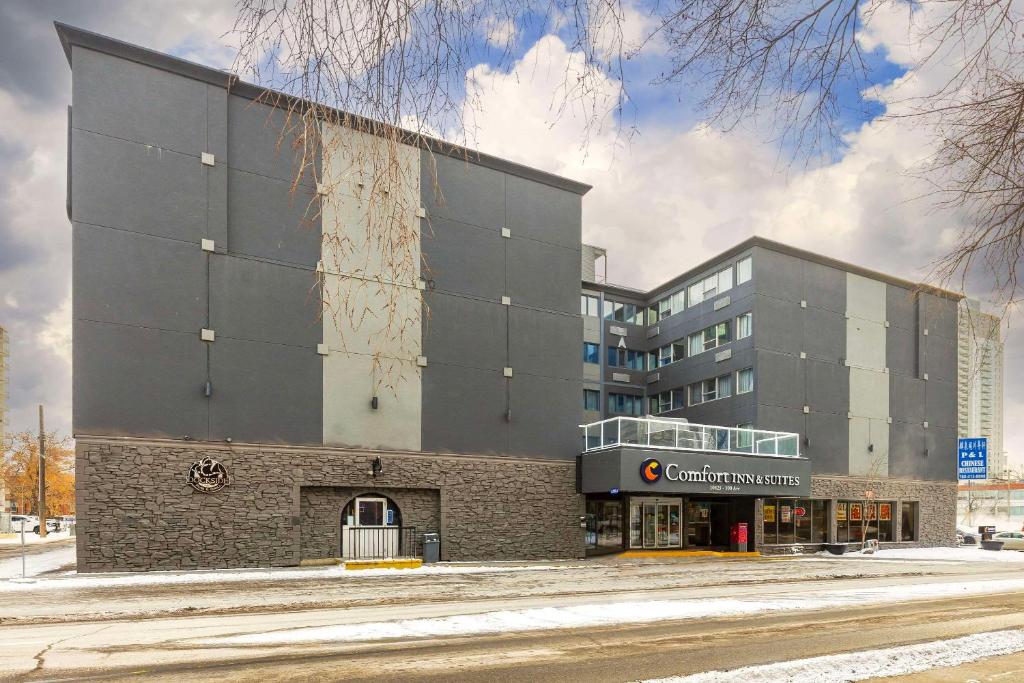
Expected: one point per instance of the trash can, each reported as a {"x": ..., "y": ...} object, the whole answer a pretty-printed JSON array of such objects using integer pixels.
[
  {"x": 431, "y": 548},
  {"x": 986, "y": 532}
]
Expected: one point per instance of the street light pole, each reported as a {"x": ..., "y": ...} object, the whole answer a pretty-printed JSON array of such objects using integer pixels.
[{"x": 42, "y": 476}]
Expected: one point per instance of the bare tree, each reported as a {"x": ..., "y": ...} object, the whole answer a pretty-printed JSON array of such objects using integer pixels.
[{"x": 396, "y": 69}]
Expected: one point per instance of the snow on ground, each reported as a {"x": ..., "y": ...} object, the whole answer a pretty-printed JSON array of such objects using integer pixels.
[
  {"x": 859, "y": 666},
  {"x": 965, "y": 553},
  {"x": 77, "y": 581},
  {"x": 35, "y": 564},
  {"x": 33, "y": 539},
  {"x": 607, "y": 614}
]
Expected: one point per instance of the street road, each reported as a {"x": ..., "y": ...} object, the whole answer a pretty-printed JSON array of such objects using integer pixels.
[{"x": 105, "y": 640}]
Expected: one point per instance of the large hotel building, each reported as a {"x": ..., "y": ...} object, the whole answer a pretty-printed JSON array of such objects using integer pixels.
[{"x": 223, "y": 419}]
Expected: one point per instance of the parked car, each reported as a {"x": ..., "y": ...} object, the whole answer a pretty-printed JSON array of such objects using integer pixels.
[
  {"x": 1012, "y": 540},
  {"x": 28, "y": 521},
  {"x": 52, "y": 525},
  {"x": 967, "y": 537}
]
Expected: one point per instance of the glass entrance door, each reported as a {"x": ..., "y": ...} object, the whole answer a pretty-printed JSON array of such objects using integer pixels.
[{"x": 658, "y": 523}]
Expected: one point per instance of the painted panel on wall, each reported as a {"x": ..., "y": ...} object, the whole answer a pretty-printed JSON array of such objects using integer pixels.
[
  {"x": 865, "y": 298},
  {"x": 869, "y": 384},
  {"x": 869, "y": 393},
  {"x": 372, "y": 306}
]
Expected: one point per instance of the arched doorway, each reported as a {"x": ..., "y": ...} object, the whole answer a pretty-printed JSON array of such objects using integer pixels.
[{"x": 371, "y": 527}]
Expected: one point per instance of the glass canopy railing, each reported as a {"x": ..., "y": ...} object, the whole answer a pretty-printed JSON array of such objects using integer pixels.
[{"x": 676, "y": 434}]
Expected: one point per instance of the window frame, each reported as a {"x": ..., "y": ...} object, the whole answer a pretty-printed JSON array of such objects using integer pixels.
[
  {"x": 748, "y": 317},
  {"x": 587, "y": 393},
  {"x": 739, "y": 374},
  {"x": 749, "y": 260},
  {"x": 585, "y": 301},
  {"x": 597, "y": 353}
]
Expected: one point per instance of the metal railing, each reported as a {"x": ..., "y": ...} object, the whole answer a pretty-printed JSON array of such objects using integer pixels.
[
  {"x": 677, "y": 434},
  {"x": 380, "y": 542}
]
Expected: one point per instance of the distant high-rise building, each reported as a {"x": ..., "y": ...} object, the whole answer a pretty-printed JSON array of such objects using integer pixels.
[
  {"x": 980, "y": 390},
  {"x": 3, "y": 386}
]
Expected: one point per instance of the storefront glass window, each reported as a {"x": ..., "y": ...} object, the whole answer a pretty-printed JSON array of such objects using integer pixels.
[
  {"x": 604, "y": 524},
  {"x": 908, "y": 525},
  {"x": 794, "y": 520},
  {"x": 787, "y": 530},
  {"x": 861, "y": 520},
  {"x": 770, "y": 525},
  {"x": 819, "y": 517}
]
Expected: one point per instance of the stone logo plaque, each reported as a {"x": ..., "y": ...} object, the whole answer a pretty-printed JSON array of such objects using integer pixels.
[{"x": 207, "y": 476}]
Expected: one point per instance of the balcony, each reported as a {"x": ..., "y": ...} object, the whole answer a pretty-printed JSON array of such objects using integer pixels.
[
  {"x": 668, "y": 456},
  {"x": 681, "y": 435}
]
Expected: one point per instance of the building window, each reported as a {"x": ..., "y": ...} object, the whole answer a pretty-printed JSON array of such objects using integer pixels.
[
  {"x": 669, "y": 353},
  {"x": 744, "y": 270},
  {"x": 709, "y": 338},
  {"x": 744, "y": 325},
  {"x": 710, "y": 286},
  {"x": 591, "y": 352},
  {"x": 591, "y": 399},
  {"x": 663, "y": 308},
  {"x": 589, "y": 305},
  {"x": 625, "y": 358},
  {"x": 744, "y": 440},
  {"x": 711, "y": 390},
  {"x": 908, "y": 521},
  {"x": 624, "y": 313},
  {"x": 790, "y": 521},
  {"x": 626, "y": 404},
  {"x": 861, "y": 520},
  {"x": 745, "y": 380}
]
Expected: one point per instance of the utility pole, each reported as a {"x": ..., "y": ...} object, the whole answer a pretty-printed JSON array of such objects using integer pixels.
[{"x": 42, "y": 476}]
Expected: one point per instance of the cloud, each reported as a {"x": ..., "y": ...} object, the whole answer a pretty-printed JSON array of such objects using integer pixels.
[
  {"x": 677, "y": 195},
  {"x": 35, "y": 235}
]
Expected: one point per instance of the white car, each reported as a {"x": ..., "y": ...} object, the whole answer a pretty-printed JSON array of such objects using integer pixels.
[
  {"x": 28, "y": 521},
  {"x": 1012, "y": 540}
]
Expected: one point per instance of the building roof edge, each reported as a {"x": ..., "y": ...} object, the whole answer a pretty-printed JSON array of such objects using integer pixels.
[{"x": 72, "y": 35}]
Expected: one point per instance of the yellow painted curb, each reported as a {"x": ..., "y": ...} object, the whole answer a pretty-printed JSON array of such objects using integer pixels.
[
  {"x": 323, "y": 562},
  {"x": 384, "y": 564},
  {"x": 10, "y": 535},
  {"x": 686, "y": 553}
]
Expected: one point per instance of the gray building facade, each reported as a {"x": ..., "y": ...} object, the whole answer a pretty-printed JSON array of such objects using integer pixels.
[
  {"x": 233, "y": 407},
  {"x": 861, "y": 365},
  {"x": 201, "y": 331}
]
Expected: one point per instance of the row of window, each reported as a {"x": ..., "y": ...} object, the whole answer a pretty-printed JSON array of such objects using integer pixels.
[
  {"x": 702, "y": 290},
  {"x": 797, "y": 520},
  {"x": 697, "y": 343},
  {"x": 704, "y": 391}
]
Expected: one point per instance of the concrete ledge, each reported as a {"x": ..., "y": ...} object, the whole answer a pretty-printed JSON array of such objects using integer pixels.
[
  {"x": 409, "y": 563},
  {"x": 321, "y": 562},
  {"x": 687, "y": 553}
]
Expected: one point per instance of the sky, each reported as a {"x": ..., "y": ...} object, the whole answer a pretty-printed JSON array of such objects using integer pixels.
[{"x": 665, "y": 198}]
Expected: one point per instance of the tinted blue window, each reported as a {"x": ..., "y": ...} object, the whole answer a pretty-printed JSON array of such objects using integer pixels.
[
  {"x": 591, "y": 353},
  {"x": 591, "y": 399}
]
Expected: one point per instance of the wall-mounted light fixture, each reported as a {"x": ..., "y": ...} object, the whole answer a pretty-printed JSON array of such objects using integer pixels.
[
  {"x": 871, "y": 448},
  {"x": 377, "y": 468},
  {"x": 208, "y": 389},
  {"x": 373, "y": 403}
]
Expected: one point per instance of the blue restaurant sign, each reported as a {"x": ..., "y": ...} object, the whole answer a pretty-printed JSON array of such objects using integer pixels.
[{"x": 972, "y": 459}]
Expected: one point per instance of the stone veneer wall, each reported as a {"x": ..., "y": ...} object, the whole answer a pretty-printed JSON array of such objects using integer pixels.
[
  {"x": 936, "y": 524},
  {"x": 136, "y": 511}
]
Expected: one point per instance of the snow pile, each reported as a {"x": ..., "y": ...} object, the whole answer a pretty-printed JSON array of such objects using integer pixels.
[
  {"x": 961, "y": 554},
  {"x": 860, "y": 666},
  {"x": 32, "y": 539},
  {"x": 605, "y": 614},
  {"x": 210, "y": 576},
  {"x": 37, "y": 563}
]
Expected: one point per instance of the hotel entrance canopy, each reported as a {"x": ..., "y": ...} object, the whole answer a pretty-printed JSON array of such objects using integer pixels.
[{"x": 664, "y": 455}]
